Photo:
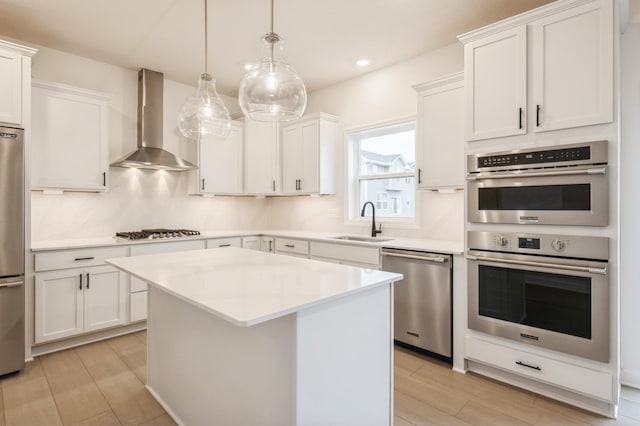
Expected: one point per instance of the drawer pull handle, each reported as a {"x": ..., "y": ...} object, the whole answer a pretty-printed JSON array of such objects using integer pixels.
[
  {"x": 224, "y": 245},
  {"x": 411, "y": 333},
  {"x": 533, "y": 367},
  {"x": 84, "y": 258},
  {"x": 289, "y": 245}
]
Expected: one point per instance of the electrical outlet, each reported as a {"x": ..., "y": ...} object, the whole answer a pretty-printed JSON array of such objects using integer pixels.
[{"x": 333, "y": 213}]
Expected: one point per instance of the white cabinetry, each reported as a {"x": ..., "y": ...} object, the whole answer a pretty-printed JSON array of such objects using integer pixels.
[
  {"x": 566, "y": 65},
  {"x": 251, "y": 242},
  {"x": 345, "y": 254},
  {"x": 138, "y": 288},
  {"x": 70, "y": 138},
  {"x": 309, "y": 155},
  {"x": 261, "y": 157},
  {"x": 267, "y": 244},
  {"x": 15, "y": 75},
  {"x": 440, "y": 135},
  {"x": 220, "y": 164},
  {"x": 224, "y": 242},
  {"x": 73, "y": 297},
  {"x": 292, "y": 247}
]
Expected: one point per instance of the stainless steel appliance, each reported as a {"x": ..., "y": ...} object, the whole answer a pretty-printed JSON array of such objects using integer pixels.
[
  {"x": 11, "y": 250},
  {"x": 550, "y": 291},
  {"x": 559, "y": 185},
  {"x": 154, "y": 234},
  {"x": 422, "y": 299}
]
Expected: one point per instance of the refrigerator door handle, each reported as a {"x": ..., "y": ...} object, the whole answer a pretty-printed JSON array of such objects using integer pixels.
[{"x": 12, "y": 284}]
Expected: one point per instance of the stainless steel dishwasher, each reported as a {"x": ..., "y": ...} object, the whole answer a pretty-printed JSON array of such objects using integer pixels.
[{"x": 422, "y": 300}]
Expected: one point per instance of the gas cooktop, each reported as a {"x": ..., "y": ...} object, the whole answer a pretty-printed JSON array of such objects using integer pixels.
[{"x": 155, "y": 234}]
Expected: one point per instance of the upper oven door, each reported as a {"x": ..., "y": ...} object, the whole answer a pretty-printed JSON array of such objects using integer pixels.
[{"x": 562, "y": 196}]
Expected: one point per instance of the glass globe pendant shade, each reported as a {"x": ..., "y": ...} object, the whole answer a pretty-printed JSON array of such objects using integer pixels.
[
  {"x": 272, "y": 90},
  {"x": 204, "y": 114}
]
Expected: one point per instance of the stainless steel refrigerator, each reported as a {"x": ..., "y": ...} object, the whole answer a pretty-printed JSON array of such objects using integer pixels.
[{"x": 11, "y": 250}]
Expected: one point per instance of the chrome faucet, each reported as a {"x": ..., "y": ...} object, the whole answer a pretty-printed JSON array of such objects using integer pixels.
[{"x": 374, "y": 231}]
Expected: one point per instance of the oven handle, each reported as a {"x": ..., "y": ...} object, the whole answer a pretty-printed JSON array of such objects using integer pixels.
[
  {"x": 601, "y": 271},
  {"x": 506, "y": 175}
]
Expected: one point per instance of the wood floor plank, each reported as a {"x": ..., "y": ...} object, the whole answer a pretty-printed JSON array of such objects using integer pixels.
[
  {"x": 399, "y": 421},
  {"x": 108, "y": 418},
  {"x": 421, "y": 414},
  {"x": 30, "y": 402},
  {"x": 407, "y": 360},
  {"x": 478, "y": 414},
  {"x": 101, "y": 361},
  {"x": 31, "y": 370},
  {"x": 573, "y": 412},
  {"x": 436, "y": 396}
]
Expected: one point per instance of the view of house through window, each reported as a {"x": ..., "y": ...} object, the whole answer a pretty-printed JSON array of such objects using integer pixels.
[{"x": 384, "y": 169}]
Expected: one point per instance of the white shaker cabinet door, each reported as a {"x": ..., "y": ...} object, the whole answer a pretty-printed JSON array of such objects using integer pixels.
[
  {"x": 59, "y": 304},
  {"x": 10, "y": 87},
  {"x": 104, "y": 298},
  {"x": 496, "y": 84},
  {"x": 261, "y": 157},
  {"x": 220, "y": 163},
  {"x": 573, "y": 68},
  {"x": 69, "y": 135}
]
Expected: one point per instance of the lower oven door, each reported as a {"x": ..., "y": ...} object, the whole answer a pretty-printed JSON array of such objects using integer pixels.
[
  {"x": 572, "y": 196},
  {"x": 557, "y": 304}
]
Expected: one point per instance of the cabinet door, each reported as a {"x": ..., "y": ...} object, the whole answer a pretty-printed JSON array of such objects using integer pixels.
[
  {"x": 69, "y": 135},
  {"x": 309, "y": 142},
  {"x": 138, "y": 306},
  {"x": 59, "y": 304},
  {"x": 10, "y": 87},
  {"x": 220, "y": 163},
  {"x": 261, "y": 157},
  {"x": 496, "y": 82},
  {"x": 104, "y": 298},
  {"x": 291, "y": 158},
  {"x": 440, "y": 138},
  {"x": 267, "y": 244},
  {"x": 573, "y": 68}
]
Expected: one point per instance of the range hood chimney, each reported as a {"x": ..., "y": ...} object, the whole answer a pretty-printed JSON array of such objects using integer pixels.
[{"x": 150, "y": 154}]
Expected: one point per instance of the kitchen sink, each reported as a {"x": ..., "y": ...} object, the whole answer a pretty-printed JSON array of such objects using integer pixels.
[{"x": 361, "y": 238}]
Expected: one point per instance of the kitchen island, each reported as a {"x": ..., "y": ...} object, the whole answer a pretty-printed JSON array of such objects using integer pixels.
[{"x": 240, "y": 337}]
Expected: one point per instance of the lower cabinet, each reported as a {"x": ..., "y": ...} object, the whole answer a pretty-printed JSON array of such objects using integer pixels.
[
  {"x": 364, "y": 257},
  {"x": 74, "y": 301},
  {"x": 267, "y": 244},
  {"x": 292, "y": 247}
]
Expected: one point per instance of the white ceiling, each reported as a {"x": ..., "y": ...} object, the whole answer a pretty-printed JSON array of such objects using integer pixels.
[{"x": 323, "y": 38}]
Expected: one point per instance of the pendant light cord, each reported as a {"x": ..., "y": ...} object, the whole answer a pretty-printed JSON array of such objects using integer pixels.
[
  {"x": 206, "y": 38},
  {"x": 272, "y": 16}
]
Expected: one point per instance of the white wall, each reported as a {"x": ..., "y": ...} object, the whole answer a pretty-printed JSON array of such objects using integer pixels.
[
  {"x": 373, "y": 98},
  {"x": 136, "y": 198},
  {"x": 629, "y": 200}
]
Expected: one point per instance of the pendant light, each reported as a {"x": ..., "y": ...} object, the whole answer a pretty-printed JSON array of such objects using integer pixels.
[
  {"x": 272, "y": 90},
  {"x": 203, "y": 113}
]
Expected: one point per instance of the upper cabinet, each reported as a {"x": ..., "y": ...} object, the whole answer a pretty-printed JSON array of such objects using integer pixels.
[
  {"x": 70, "y": 138},
  {"x": 220, "y": 164},
  {"x": 560, "y": 54},
  {"x": 261, "y": 157},
  {"x": 15, "y": 82},
  {"x": 440, "y": 134},
  {"x": 309, "y": 155}
]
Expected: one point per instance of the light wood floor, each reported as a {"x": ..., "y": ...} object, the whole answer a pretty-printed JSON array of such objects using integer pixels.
[{"x": 103, "y": 384}]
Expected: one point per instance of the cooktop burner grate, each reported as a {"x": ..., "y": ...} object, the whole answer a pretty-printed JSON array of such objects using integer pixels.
[{"x": 154, "y": 234}]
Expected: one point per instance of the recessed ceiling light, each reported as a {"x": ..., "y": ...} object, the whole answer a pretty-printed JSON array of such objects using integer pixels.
[{"x": 362, "y": 62}]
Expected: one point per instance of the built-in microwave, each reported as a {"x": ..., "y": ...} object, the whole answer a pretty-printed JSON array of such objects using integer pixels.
[
  {"x": 549, "y": 291},
  {"x": 559, "y": 185}
]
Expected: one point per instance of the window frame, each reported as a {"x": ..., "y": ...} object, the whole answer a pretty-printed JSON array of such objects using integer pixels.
[{"x": 353, "y": 137}]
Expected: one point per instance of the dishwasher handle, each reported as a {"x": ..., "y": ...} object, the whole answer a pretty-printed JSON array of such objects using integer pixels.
[{"x": 438, "y": 259}]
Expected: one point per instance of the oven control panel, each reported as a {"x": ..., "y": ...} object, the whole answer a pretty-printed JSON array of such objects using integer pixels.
[
  {"x": 542, "y": 244},
  {"x": 536, "y": 157}
]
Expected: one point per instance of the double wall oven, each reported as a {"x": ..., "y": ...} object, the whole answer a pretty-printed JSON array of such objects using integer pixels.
[{"x": 546, "y": 290}]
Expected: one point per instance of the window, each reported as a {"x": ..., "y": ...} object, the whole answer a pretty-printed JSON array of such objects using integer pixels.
[{"x": 382, "y": 170}]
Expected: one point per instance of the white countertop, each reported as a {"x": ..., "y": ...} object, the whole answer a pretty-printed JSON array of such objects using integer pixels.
[
  {"x": 438, "y": 246},
  {"x": 248, "y": 287}
]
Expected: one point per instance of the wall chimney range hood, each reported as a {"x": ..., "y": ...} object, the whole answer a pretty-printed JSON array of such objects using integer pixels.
[{"x": 150, "y": 153}]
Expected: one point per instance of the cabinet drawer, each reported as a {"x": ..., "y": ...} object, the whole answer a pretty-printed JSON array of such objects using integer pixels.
[
  {"x": 224, "y": 242},
  {"x": 287, "y": 245},
  {"x": 348, "y": 253},
  {"x": 138, "y": 306},
  {"x": 590, "y": 382},
  {"x": 64, "y": 259},
  {"x": 166, "y": 247}
]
